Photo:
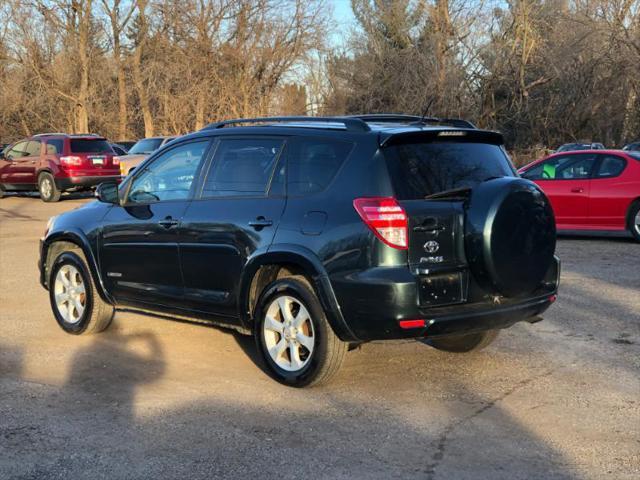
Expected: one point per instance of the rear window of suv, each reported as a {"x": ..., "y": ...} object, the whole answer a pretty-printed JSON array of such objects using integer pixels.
[
  {"x": 82, "y": 145},
  {"x": 421, "y": 169}
]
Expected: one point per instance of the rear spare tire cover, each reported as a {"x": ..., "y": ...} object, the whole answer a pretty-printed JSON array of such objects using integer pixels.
[{"x": 510, "y": 235}]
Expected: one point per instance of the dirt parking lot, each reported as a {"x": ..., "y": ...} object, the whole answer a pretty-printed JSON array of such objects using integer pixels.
[{"x": 152, "y": 398}]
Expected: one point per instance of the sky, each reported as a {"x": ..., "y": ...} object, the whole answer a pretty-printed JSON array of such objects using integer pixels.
[{"x": 344, "y": 20}]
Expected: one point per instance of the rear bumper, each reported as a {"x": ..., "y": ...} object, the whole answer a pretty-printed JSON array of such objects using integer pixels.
[
  {"x": 374, "y": 302},
  {"x": 68, "y": 183}
]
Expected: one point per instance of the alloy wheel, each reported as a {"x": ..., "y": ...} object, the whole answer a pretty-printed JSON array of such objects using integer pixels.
[
  {"x": 636, "y": 223},
  {"x": 288, "y": 333},
  {"x": 46, "y": 188},
  {"x": 70, "y": 294}
]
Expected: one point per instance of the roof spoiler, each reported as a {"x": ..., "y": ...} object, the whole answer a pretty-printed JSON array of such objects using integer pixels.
[{"x": 458, "y": 135}]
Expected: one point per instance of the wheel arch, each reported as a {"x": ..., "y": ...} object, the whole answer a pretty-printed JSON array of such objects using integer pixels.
[
  {"x": 284, "y": 260},
  {"x": 56, "y": 242}
]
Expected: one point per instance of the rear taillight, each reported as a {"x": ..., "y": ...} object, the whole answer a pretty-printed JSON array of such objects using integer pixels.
[
  {"x": 116, "y": 160},
  {"x": 71, "y": 161},
  {"x": 386, "y": 218}
]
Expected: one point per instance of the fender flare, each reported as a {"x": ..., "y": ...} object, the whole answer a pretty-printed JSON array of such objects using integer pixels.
[
  {"x": 78, "y": 238},
  {"x": 313, "y": 268}
]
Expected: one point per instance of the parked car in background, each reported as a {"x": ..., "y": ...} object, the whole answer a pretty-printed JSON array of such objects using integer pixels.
[
  {"x": 591, "y": 189},
  {"x": 572, "y": 147},
  {"x": 139, "y": 152},
  {"x": 118, "y": 149},
  {"x": 126, "y": 144},
  {"x": 632, "y": 147},
  {"x": 314, "y": 235},
  {"x": 53, "y": 163}
]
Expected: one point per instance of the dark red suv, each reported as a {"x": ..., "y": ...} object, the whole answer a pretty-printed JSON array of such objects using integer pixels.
[{"x": 52, "y": 163}]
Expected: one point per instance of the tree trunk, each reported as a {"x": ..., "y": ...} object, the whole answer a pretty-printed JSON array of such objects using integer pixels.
[
  {"x": 143, "y": 95},
  {"x": 82, "y": 114}
]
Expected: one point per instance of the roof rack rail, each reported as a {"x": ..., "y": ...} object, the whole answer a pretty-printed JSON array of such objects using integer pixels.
[
  {"x": 351, "y": 124},
  {"x": 49, "y": 133},
  {"x": 415, "y": 119},
  {"x": 85, "y": 135}
]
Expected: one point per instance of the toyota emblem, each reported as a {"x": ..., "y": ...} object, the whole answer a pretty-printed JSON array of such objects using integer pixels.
[{"x": 431, "y": 246}]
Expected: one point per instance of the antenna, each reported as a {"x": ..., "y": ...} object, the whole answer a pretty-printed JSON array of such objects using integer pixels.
[{"x": 426, "y": 110}]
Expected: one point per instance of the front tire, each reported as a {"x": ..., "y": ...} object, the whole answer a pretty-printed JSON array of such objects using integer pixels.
[
  {"x": 76, "y": 304},
  {"x": 293, "y": 334},
  {"x": 49, "y": 192},
  {"x": 470, "y": 342},
  {"x": 634, "y": 221}
]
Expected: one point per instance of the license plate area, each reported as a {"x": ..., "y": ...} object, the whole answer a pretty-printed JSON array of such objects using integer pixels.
[
  {"x": 96, "y": 160},
  {"x": 442, "y": 289}
]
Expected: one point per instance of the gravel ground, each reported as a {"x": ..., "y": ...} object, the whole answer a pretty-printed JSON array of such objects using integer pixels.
[{"x": 152, "y": 398}]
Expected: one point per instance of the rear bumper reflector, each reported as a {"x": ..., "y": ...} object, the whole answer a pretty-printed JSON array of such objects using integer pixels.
[{"x": 407, "y": 324}]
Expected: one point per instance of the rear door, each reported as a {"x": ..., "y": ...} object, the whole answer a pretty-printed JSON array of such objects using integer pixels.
[
  {"x": 95, "y": 154},
  {"x": 139, "y": 242},
  {"x": 237, "y": 213},
  {"x": 436, "y": 229},
  {"x": 566, "y": 181}
]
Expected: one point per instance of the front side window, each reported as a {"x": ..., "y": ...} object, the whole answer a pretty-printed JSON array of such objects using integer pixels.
[
  {"x": 569, "y": 167},
  {"x": 169, "y": 176},
  {"x": 18, "y": 150},
  {"x": 33, "y": 148},
  {"x": 422, "y": 169},
  {"x": 242, "y": 166},
  {"x": 610, "y": 166}
]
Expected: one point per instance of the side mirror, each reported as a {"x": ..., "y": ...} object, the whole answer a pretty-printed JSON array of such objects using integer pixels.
[{"x": 108, "y": 193}]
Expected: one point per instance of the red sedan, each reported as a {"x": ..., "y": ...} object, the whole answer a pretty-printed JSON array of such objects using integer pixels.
[{"x": 591, "y": 189}]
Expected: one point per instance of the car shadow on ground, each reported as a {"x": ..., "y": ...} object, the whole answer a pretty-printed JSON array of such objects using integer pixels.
[{"x": 95, "y": 426}]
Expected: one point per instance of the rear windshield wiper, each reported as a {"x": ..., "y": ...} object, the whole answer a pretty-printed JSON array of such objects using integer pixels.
[{"x": 462, "y": 192}]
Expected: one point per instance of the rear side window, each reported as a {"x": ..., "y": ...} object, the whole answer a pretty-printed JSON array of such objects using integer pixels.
[
  {"x": 242, "y": 166},
  {"x": 54, "y": 146},
  {"x": 89, "y": 146},
  {"x": 610, "y": 166},
  {"x": 421, "y": 169},
  {"x": 313, "y": 162}
]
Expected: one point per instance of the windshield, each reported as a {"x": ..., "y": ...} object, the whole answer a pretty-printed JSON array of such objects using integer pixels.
[
  {"x": 422, "y": 169},
  {"x": 146, "y": 145},
  {"x": 89, "y": 146}
]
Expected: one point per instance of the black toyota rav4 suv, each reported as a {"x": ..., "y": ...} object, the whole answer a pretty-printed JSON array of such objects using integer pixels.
[{"x": 314, "y": 235}]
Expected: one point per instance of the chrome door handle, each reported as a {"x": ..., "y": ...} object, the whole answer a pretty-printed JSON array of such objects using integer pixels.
[
  {"x": 168, "y": 222},
  {"x": 260, "y": 222}
]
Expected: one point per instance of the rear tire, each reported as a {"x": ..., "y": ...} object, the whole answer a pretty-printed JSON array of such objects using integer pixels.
[
  {"x": 471, "y": 342},
  {"x": 49, "y": 192},
  {"x": 633, "y": 223},
  {"x": 293, "y": 334},
  {"x": 75, "y": 303}
]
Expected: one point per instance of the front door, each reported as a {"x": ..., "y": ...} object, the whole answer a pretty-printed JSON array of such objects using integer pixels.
[
  {"x": 565, "y": 179},
  {"x": 236, "y": 214},
  {"x": 139, "y": 244},
  {"x": 609, "y": 195},
  {"x": 21, "y": 161}
]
